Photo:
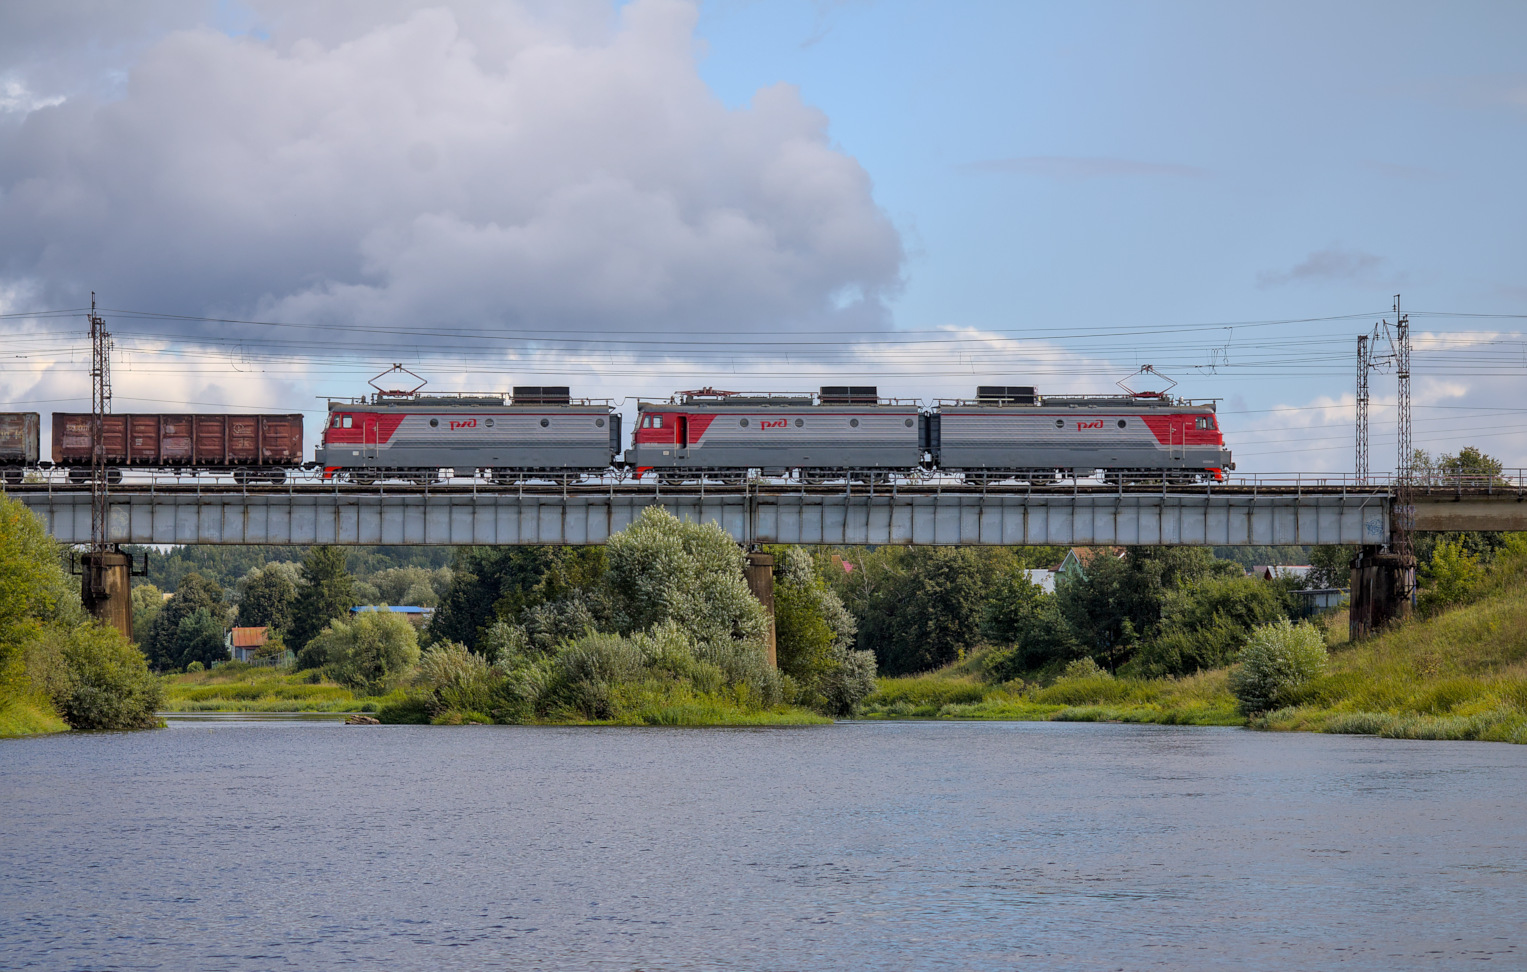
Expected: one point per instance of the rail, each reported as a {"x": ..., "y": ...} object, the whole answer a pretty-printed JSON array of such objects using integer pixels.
[{"x": 1508, "y": 481}]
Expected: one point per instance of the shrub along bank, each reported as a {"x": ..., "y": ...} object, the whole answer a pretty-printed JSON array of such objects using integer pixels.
[
  {"x": 59, "y": 668},
  {"x": 656, "y": 628}
]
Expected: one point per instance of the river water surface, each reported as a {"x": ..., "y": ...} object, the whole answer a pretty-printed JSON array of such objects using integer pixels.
[{"x": 230, "y": 844}]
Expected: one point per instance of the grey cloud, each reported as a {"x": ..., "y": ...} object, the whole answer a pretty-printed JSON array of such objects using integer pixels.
[
  {"x": 1075, "y": 167},
  {"x": 1331, "y": 265},
  {"x": 481, "y": 164}
]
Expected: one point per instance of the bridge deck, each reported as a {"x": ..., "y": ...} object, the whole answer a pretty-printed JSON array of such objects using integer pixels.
[{"x": 473, "y": 513}]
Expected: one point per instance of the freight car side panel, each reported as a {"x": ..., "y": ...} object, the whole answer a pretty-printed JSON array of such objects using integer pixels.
[
  {"x": 991, "y": 438},
  {"x": 182, "y": 441},
  {"x": 747, "y": 437},
  {"x": 19, "y": 438}
]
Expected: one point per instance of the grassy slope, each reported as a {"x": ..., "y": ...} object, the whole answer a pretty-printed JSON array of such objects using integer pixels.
[
  {"x": 22, "y": 716},
  {"x": 1460, "y": 675}
]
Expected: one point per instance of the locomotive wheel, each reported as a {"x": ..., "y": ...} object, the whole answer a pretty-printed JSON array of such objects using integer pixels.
[
  {"x": 113, "y": 477},
  {"x": 276, "y": 476},
  {"x": 13, "y": 477}
]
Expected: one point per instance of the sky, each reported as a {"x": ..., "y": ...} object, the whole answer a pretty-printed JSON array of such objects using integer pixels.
[{"x": 275, "y": 200}]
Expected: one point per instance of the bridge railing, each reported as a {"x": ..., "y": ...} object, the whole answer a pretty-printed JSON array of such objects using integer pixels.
[{"x": 1506, "y": 481}]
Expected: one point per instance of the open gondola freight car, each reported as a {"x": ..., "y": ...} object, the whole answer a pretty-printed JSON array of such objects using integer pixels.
[
  {"x": 252, "y": 447},
  {"x": 18, "y": 444}
]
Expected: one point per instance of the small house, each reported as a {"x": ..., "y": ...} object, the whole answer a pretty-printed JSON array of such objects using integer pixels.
[{"x": 243, "y": 642}]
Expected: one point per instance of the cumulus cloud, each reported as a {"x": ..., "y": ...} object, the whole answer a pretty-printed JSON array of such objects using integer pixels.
[
  {"x": 1332, "y": 265},
  {"x": 1079, "y": 167},
  {"x": 556, "y": 166}
]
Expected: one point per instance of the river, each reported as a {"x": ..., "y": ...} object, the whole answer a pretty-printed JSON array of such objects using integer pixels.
[{"x": 305, "y": 845}]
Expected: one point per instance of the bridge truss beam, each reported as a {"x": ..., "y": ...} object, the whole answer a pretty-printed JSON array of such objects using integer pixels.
[{"x": 580, "y": 517}]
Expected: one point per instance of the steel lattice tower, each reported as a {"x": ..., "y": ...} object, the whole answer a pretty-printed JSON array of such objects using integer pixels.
[
  {"x": 100, "y": 405},
  {"x": 1362, "y": 409},
  {"x": 1405, "y": 506}
]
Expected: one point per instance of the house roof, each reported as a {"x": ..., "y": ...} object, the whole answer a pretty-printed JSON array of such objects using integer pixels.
[{"x": 250, "y": 637}]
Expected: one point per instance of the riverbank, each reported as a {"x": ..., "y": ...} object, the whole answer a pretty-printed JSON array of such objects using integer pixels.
[
  {"x": 21, "y": 716},
  {"x": 1459, "y": 675},
  {"x": 241, "y": 688}
]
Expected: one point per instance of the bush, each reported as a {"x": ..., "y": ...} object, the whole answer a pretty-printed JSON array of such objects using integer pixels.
[
  {"x": 196, "y": 666},
  {"x": 1452, "y": 577},
  {"x": 366, "y": 651},
  {"x": 456, "y": 678},
  {"x": 107, "y": 684},
  {"x": 1277, "y": 660},
  {"x": 1083, "y": 668}
]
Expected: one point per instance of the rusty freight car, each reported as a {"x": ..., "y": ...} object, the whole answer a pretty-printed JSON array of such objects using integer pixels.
[
  {"x": 18, "y": 444},
  {"x": 252, "y": 447}
]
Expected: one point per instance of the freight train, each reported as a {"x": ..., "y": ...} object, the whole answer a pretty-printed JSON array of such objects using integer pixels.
[{"x": 1004, "y": 433}]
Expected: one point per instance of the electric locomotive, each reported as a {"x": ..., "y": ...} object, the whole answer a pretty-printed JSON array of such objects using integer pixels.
[
  {"x": 539, "y": 433},
  {"x": 842, "y": 432},
  {"x": 1011, "y": 432}
]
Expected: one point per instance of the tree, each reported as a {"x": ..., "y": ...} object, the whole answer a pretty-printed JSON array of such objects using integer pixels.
[
  {"x": 324, "y": 594},
  {"x": 1204, "y": 623},
  {"x": 1469, "y": 463},
  {"x": 267, "y": 599},
  {"x": 52, "y": 654},
  {"x": 664, "y": 570},
  {"x": 1451, "y": 577},
  {"x": 162, "y": 642},
  {"x": 1115, "y": 604},
  {"x": 148, "y": 601},
  {"x": 199, "y": 638},
  {"x": 1028, "y": 621},
  {"x": 1278, "y": 659},
  {"x": 1331, "y": 566},
  {"x": 930, "y": 609},
  {"x": 814, "y": 637},
  {"x": 487, "y": 584},
  {"x": 364, "y": 652}
]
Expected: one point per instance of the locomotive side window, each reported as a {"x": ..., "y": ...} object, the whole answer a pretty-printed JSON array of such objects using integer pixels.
[
  {"x": 349, "y": 422},
  {"x": 1205, "y": 422},
  {"x": 657, "y": 421},
  {"x": 334, "y": 422}
]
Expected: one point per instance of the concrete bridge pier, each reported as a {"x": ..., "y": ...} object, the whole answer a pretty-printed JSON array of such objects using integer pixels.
[
  {"x": 760, "y": 575},
  {"x": 106, "y": 588},
  {"x": 1383, "y": 585}
]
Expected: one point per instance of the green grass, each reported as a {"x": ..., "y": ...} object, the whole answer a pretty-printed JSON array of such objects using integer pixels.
[
  {"x": 259, "y": 690},
  {"x": 21, "y": 716},
  {"x": 1202, "y": 700}
]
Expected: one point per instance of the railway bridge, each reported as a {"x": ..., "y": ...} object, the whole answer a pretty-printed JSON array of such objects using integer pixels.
[{"x": 1263, "y": 511}]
